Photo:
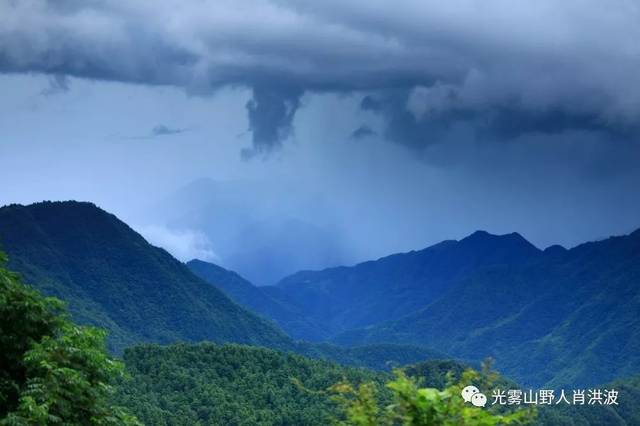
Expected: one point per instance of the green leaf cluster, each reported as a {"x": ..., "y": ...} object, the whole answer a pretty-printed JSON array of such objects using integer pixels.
[
  {"x": 51, "y": 370},
  {"x": 413, "y": 405}
]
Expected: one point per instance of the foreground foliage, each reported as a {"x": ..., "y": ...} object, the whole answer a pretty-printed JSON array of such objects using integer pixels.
[
  {"x": 209, "y": 384},
  {"x": 51, "y": 370},
  {"x": 413, "y": 405}
]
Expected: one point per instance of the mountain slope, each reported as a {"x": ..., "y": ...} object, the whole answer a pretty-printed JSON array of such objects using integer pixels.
[
  {"x": 569, "y": 317},
  {"x": 386, "y": 289},
  {"x": 252, "y": 297},
  {"x": 111, "y": 277},
  {"x": 241, "y": 291},
  {"x": 625, "y": 413}
]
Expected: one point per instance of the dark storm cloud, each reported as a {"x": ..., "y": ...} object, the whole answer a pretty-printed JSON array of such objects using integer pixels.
[
  {"x": 505, "y": 68},
  {"x": 408, "y": 121},
  {"x": 271, "y": 112}
]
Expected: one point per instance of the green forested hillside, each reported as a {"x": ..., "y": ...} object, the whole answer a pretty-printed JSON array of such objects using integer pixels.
[
  {"x": 291, "y": 319},
  {"x": 230, "y": 385},
  {"x": 556, "y": 317},
  {"x": 377, "y": 356},
  {"x": 53, "y": 371},
  {"x": 569, "y": 317},
  {"x": 626, "y": 413},
  {"x": 552, "y": 318},
  {"x": 238, "y": 385},
  {"x": 386, "y": 289},
  {"x": 381, "y": 357},
  {"x": 111, "y": 277}
]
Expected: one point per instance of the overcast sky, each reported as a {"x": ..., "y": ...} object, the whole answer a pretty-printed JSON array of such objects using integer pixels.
[{"x": 398, "y": 124}]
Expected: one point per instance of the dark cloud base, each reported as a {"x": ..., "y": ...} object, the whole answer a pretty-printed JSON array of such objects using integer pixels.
[{"x": 506, "y": 72}]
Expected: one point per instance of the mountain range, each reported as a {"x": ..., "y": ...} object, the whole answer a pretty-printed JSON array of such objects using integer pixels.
[
  {"x": 549, "y": 317},
  {"x": 252, "y": 297},
  {"x": 564, "y": 317},
  {"x": 389, "y": 288},
  {"x": 111, "y": 277},
  {"x": 553, "y": 317}
]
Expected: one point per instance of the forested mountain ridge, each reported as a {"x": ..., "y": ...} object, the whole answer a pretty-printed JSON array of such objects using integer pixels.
[
  {"x": 567, "y": 317},
  {"x": 111, "y": 277},
  {"x": 289, "y": 318},
  {"x": 552, "y": 317},
  {"x": 376, "y": 356},
  {"x": 389, "y": 288}
]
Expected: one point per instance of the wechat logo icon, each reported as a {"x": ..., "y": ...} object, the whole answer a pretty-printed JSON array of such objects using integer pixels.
[{"x": 472, "y": 394}]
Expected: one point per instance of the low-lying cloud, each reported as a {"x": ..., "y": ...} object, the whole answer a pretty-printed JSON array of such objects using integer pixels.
[{"x": 184, "y": 244}]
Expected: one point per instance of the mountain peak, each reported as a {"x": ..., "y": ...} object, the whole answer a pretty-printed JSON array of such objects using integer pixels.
[
  {"x": 52, "y": 204},
  {"x": 110, "y": 276},
  {"x": 493, "y": 248},
  {"x": 555, "y": 250},
  {"x": 480, "y": 236}
]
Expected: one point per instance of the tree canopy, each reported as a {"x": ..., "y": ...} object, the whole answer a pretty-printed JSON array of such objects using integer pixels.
[{"x": 52, "y": 371}]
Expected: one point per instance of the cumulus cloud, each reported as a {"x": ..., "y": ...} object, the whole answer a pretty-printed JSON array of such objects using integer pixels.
[{"x": 544, "y": 64}]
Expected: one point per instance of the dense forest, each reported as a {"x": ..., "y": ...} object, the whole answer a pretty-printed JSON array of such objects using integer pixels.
[
  {"x": 290, "y": 318},
  {"x": 231, "y": 385},
  {"x": 56, "y": 372},
  {"x": 565, "y": 318},
  {"x": 514, "y": 297},
  {"x": 553, "y": 317},
  {"x": 239, "y": 385}
]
